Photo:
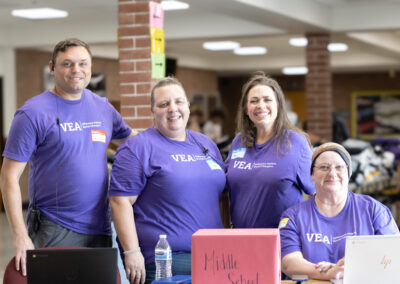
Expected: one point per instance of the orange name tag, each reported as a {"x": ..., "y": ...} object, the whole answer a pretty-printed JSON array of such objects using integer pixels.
[{"x": 98, "y": 136}]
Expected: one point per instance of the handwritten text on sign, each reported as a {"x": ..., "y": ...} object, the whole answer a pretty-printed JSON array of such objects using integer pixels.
[{"x": 226, "y": 262}]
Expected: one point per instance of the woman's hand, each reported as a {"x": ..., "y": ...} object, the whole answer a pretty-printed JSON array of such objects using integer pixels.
[
  {"x": 337, "y": 270},
  {"x": 134, "y": 267},
  {"x": 323, "y": 266}
]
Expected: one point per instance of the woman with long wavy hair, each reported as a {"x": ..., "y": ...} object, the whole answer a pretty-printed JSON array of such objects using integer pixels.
[{"x": 269, "y": 160}]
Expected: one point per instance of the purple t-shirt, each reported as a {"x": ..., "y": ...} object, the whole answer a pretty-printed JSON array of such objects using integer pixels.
[
  {"x": 263, "y": 183},
  {"x": 178, "y": 184},
  {"x": 65, "y": 143},
  {"x": 303, "y": 228}
]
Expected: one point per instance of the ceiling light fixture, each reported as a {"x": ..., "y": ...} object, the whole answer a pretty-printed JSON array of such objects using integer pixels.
[
  {"x": 250, "y": 50},
  {"x": 298, "y": 41},
  {"x": 39, "y": 13},
  {"x": 296, "y": 70},
  {"x": 169, "y": 5},
  {"x": 220, "y": 45},
  {"x": 337, "y": 47}
]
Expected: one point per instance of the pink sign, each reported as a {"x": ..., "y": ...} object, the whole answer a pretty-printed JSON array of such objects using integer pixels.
[
  {"x": 251, "y": 256},
  {"x": 156, "y": 15}
]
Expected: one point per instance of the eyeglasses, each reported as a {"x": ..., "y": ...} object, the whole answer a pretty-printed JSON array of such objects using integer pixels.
[{"x": 328, "y": 168}]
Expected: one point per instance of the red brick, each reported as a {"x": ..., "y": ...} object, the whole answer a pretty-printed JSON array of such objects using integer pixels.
[
  {"x": 127, "y": 112},
  {"x": 315, "y": 77},
  {"x": 126, "y": 19},
  {"x": 321, "y": 84},
  {"x": 126, "y": 89},
  {"x": 126, "y": 43},
  {"x": 320, "y": 69},
  {"x": 319, "y": 104},
  {"x": 126, "y": 66},
  {"x": 135, "y": 101},
  {"x": 144, "y": 111},
  {"x": 143, "y": 42},
  {"x": 140, "y": 123},
  {"x": 133, "y": 7},
  {"x": 142, "y": 18},
  {"x": 143, "y": 65},
  {"x": 133, "y": 31},
  {"x": 135, "y": 54},
  {"x": 318, "y": 76},
  {"x": 316, "y": 91},
  {"x": 135, "y": 77},
  {"x": 143, "y": 88},
  {"x": 316, "y": 64}
]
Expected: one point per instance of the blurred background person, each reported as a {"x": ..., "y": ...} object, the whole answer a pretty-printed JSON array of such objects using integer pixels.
[
  {"x": 195, "y": 122},
  {"x": 214, "y": 128},
  {"x": 269, "y": 160},
  {"x": 167, "y": 180}
]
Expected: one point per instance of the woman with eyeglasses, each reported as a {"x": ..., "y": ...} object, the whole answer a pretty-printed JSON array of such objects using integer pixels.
[{"x": 313, "y": 232}]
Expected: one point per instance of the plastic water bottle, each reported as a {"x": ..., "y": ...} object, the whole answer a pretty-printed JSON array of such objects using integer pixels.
[{"x": 163, "y": 258}]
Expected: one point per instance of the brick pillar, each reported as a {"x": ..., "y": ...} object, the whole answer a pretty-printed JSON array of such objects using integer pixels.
[
  {"x": 135, "y": 62},
  {"x": 319, "y": 86}
]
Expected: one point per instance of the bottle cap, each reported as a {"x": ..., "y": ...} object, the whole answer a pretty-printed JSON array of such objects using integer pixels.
[{"x": 163, "y": 236}]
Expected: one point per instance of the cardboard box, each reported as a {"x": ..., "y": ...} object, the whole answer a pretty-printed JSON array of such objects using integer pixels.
[{"x": 236, "y": 256}]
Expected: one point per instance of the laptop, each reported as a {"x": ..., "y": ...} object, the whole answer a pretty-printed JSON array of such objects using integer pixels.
[
  {"x": 372, "y": 259},
  {"x": 92, "y": 265}
]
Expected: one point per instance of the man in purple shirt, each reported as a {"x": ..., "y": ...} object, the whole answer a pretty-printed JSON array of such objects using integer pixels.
[{"x": 63, "y": 133}]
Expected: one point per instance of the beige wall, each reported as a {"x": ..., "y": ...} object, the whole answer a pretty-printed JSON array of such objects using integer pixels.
[{"x": 195, "y": 80}]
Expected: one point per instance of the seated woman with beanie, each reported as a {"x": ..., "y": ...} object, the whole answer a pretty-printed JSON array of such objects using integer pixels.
[{"x": 313, "y": 233}]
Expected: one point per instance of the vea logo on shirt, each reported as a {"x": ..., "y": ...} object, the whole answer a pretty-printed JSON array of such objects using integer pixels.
[
  {"x": 71, "y": 126},
  {"x": 318, "y": 238},
  {"x": 183, "y": 158},
  {"x": 194, "y": 158},
  {"x": 79, "y": 126},
  {"x": 242, "y": 165}
]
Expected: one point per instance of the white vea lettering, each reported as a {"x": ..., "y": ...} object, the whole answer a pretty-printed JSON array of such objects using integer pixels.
[
  {"x": 70, "y": 126},
  {"x": 183, "y": 158},
  {"x": 77, "y": 126},
  {"x": 63, "y": 126},
  {"x": 248, "y": 166},
  {"x": 242, "y": 165},
  {"x": 317, "y": 238}
]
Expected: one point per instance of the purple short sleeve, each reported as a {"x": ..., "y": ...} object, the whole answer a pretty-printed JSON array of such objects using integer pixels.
[{"x": 21, "y": 139}]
